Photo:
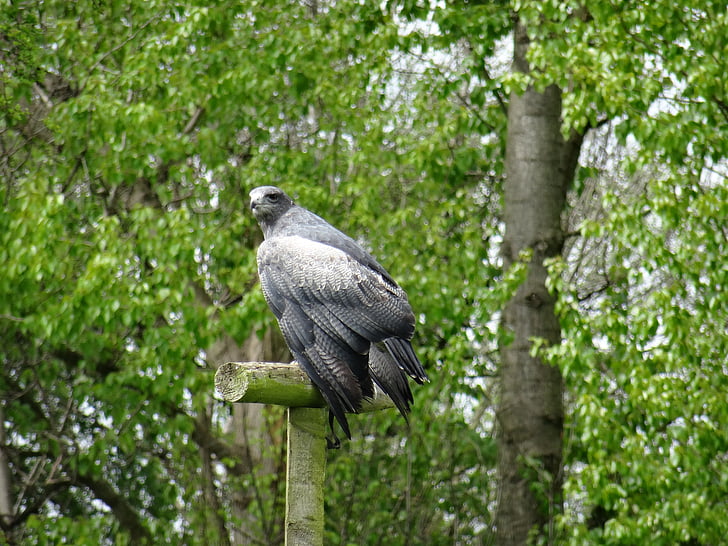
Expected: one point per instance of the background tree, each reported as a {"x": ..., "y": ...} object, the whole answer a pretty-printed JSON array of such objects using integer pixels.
[
  {"x": 648, "y": 333},
  {"x": 130, "y": 134}
]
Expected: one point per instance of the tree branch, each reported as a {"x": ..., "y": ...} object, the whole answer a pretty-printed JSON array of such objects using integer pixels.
[
  {"x": 48, "y": 492},
  {"x": 127, "y": 517},
  {"x": 119, "y": 46},
  {"x": 192, "y": 123},
  {"x": 202, "y": 436}
]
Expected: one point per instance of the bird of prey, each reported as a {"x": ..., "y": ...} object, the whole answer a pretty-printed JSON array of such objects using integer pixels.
[{"x": 346, "y": 321}]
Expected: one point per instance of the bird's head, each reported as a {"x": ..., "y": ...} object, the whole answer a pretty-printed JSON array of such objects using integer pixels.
[{"x": 269, "y": 203}]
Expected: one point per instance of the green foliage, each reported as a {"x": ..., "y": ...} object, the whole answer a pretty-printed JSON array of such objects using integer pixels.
[
  {"x": 645, "y": 367},
  {"x": 664, "y": 89},
  {"x": 644, "y": 355},
  {"x": 409, "y": 497},
  {"x": 131, "y": 135}
]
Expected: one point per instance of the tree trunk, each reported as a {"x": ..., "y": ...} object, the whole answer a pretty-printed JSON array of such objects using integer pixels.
[
  {"x": 250, "y": 435},
  {"x": 539, "y": 167},
  {"x": 6, "y": 488}
]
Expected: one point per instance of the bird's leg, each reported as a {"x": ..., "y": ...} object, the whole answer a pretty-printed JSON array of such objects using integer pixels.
[{"x": 332, "y": 442}]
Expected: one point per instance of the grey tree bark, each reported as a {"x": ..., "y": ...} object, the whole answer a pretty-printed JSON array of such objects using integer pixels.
[
  {"x": 6, "y": 485},
  {"x": 250, "y": 432},
  {"x": 540, "y": 165}
]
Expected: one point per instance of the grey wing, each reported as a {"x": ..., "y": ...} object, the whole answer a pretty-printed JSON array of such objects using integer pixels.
[
  {"x": 346, "y": 299},
  {"x": 335, "y": 356},
  {"x": 331, "y": 308}
]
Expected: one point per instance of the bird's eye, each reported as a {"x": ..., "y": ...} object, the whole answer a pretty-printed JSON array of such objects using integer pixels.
[{"x": 273, "y": 197}]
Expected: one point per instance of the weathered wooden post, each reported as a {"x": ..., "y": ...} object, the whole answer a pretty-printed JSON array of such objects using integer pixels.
[
  {"x": 305, "y": 474},
  {"x": 287, "y": 385}
]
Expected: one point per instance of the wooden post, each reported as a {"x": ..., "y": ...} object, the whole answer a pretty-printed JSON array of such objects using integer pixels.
[
  {"x": 287, "y": 385},
  {"x": 305, "y": 472}
]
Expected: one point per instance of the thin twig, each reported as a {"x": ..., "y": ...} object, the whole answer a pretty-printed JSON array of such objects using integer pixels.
[{"x": 116, "y": 48}]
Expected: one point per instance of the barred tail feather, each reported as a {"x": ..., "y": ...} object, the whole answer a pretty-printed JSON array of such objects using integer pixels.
[{"x": 403, "y": 354}]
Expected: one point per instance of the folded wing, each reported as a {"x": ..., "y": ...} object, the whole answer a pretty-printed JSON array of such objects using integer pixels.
[{"x": 331, "y": 309}]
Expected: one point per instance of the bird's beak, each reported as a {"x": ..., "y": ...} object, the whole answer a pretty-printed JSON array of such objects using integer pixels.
[{"x": 255, "y": 207}]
